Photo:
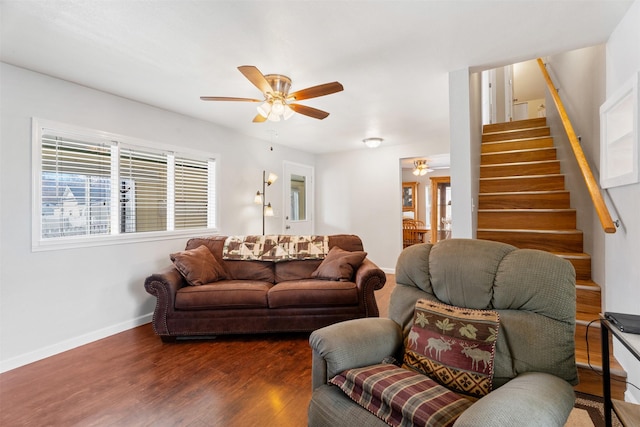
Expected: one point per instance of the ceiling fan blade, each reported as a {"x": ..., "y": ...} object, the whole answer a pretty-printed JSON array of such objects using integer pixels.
[
  {"x": 226, "y": 98},
  {"x": 257, "y": 78},
  {"x": 309, "y": 111},
  {"x": 315, "y": 91},
  {"x": 259, "y": 118}
]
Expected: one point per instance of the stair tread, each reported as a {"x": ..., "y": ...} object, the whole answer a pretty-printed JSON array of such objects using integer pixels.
[
  {"x": 524, "y": 210},
  {"x": 523, "y": 176},
  {"x": 572, "y": 254},
  {"x": 516, "y": 124},
  {"x": 529, "y": 163},
  {"x": 514, "y": 130},
  {"x": 533, "y": 138},
  {"x": 587, "y": 283},
  {"x": 520, "y": 150},
  {"x": 516, "y": 230}
]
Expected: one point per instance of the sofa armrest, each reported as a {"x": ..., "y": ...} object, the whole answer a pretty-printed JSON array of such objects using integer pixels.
[
  {"x": 369, "y": 278},
  {"x": 532, "y": 399},
  {"x": 164, "y": 286},
  {"x": 350, "y": 344}
]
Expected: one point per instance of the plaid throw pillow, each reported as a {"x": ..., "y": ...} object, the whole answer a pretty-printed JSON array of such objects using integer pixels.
[
  {"x": 453, "y": 345},
  {"x": 401, "y": 397}
]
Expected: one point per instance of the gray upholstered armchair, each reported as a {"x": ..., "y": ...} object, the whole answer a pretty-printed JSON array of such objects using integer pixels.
[{"x": 534, "y": 353}]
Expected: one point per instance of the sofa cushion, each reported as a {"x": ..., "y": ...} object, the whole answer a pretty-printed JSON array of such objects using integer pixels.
[
  {"x": 295, "y": 270},
  {"x": 198, "y": 266},
  {"x": 339, "y": 264},
  {"x": 453, "y": 345},
  {"x": 312, "y": 293},
  {"x": 251, "y": 270},
  {"x": 401, "y": 397},
  {"x": 226, "y": 294}
]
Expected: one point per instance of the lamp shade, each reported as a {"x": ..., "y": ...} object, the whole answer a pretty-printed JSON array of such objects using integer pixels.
[
  {"x": 272, "y": 178},
  {"x": 264, "y": 109},
  {"x": 268, "y": 210},
  {"x": 258, "y": 198}
]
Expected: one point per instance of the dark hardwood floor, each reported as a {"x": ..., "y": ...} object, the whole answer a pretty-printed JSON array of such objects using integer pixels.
[{"x": 133, "y": 379}]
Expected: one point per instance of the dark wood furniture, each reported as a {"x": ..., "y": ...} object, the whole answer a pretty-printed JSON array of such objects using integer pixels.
[{"x": 628, "y": 413}]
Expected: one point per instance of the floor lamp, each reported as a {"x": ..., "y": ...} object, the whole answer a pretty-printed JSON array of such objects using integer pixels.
[{"x": 260, "y": 199}]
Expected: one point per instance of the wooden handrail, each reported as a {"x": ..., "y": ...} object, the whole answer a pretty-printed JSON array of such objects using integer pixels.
[{"x": 594, "y": 189}]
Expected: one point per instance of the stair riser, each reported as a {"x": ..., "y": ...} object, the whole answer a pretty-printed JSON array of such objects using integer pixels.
[
  {"x": 516, "y": 134},
  {"x": 591, "y": 383},
  {"x": 595, "y": 352},
  {"x": 518, "y": 156},
  {"x": 524, "y": 201},
  {"x": 536, "y": 183},
  {"x": 582, "y": 267},
  {"x": 588, "y": 303},
  {"x": 496, "y": 147},
  {"x": 549, "y": 167},
  {"x": 516, "y": 124},
  {"x": 533, "y": 220},
  {"x": 550, "y": 242}
]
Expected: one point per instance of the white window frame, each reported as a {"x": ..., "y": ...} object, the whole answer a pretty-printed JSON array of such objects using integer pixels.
[{"x": 42, "y": 126}]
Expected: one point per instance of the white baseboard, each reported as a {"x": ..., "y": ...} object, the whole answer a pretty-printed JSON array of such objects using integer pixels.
[
  {"x": 389, "y": 270},
  {"x": 43, "y": 353}
]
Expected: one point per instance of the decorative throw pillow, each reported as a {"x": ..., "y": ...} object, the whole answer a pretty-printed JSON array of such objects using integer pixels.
[
  {"x": 339, "y": 264},
  {"x": 453, "y": 345},
  {"x": 401, "y": 397},
  {"x": 198, "y": 266}
]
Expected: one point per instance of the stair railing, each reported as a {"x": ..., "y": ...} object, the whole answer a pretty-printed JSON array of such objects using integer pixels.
[{"x": 594, "y": 189}]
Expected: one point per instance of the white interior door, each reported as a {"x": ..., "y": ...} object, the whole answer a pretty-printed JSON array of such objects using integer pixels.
[{"x": 298, "y": 199}]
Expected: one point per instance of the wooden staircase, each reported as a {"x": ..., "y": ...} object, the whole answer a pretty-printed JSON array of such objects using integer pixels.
[{"x": 522, "y": 201}]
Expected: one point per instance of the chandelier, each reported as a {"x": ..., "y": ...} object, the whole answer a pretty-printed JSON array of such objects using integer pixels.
[{"x": 421, "y": 168}]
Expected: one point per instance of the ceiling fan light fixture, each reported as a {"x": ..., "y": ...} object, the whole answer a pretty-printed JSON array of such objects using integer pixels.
[
  {"x": 277, "y": 107},
  {"x": 264, "y": 109},
  {"x": 273, "y": 117},
  {"x": 288, "y": 112},
  {"x": 372, "y": 142},
  {"x": 421, "y": 168}
]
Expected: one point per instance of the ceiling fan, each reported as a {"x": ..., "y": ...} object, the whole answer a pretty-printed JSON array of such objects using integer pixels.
[{"x": 278, "y": 102}]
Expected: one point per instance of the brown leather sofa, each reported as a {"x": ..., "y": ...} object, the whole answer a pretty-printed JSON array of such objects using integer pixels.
[{"x": 261, "y": 296}]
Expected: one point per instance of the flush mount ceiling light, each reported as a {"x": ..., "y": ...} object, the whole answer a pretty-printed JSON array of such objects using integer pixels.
[
  {"x": 372, "y": 142},
  {"x": 421, "y": 168}
]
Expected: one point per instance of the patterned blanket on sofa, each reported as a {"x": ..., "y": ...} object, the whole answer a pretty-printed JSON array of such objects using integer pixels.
[{"x": 275, "y": 248}]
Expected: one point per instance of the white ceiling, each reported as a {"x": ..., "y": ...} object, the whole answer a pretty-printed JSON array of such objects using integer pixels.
[{"x": 393, "y": 57}]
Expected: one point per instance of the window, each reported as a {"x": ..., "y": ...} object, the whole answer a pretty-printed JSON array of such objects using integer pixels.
[{"x": 94, "y": 188}]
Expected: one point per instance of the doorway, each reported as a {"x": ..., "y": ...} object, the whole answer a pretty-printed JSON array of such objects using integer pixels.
[{"x": 298, "y": 199}]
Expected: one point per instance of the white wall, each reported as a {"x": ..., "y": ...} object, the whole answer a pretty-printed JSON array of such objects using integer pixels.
[
  {"x": 465, "y": 121},
  {"x": 55, "y": 300},
  {"x": 579, "y": 76},
  {"x": 622, "y": 275},
  {"x": 359, "y": 192}
]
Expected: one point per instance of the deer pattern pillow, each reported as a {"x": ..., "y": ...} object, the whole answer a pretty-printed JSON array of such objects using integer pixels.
[{"x": 453, "y": 345}]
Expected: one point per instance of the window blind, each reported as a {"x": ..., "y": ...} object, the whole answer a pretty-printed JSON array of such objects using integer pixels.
[
  {"x": 93, "y": 183},
  {"x": 143, "y": 190},
  {"x": 190, "y": 193},
  {"x": 75, "y": 187}
]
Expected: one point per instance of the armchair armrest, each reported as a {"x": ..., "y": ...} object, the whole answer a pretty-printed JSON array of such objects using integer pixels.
[
  {"x": 369, "y": 278},
  {"x": 163, "y": 286},
  {"x": 532, "y": 399},
  {"x": 350, "y": 344}
]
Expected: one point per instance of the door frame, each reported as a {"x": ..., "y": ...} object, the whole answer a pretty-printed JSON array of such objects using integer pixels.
[{"x": 308, "y": 171}]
